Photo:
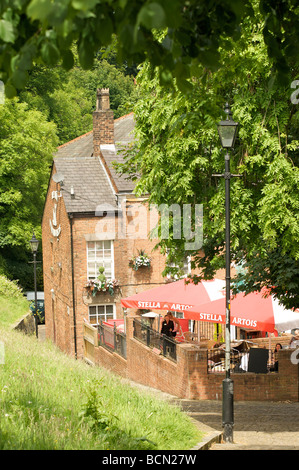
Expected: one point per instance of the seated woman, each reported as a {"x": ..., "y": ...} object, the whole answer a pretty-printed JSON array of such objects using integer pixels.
[{"x": 274, "y": 367}]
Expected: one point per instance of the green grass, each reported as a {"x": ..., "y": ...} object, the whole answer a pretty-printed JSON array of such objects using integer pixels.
[
  {"x": 49, "y": 400},
  {"x": 12, "y": 309}
]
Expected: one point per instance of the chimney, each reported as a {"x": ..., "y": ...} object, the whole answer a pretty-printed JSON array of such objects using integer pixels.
[{"x": 103, "y": 121}]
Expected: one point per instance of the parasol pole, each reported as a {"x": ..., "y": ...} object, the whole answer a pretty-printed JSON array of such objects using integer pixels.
[{"x": 125, "y": 321}]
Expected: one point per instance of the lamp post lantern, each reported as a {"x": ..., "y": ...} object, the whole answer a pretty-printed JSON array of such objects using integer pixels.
[
  {"x": 34, "y": 246},
  {"x": 227, "y": 130}
]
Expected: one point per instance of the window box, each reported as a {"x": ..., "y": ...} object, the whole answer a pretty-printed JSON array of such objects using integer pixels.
[
  {"x": 98, "y": 286},
  {"x": 101, "y": 284}
]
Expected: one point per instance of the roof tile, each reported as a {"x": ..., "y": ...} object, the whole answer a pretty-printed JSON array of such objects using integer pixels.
[{"x": 85, "y": 172}]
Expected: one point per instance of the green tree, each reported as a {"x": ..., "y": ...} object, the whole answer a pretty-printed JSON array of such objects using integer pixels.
[
  {"x": 32, "y": 30},
  {"x": 177, "y": 152},
  {"x": 69, "y": 98},
  {"x": 27, "y": 144}
]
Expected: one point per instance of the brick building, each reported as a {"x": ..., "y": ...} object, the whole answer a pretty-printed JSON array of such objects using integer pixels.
[{"x": 91, "y": 219}]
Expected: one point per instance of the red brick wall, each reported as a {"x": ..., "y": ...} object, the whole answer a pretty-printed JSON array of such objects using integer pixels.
[
  {"x": 188, "y": 377},
  {"x": 111, "y": 361},
  {"x": 57, "y": 275},
  {"x": 247, "y": 386},
  {"x": 58, "y": 271},
  {"x": 130, "y": 281}
]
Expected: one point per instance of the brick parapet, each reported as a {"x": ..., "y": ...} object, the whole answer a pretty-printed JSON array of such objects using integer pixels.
[{"x": 188, "y": 378}]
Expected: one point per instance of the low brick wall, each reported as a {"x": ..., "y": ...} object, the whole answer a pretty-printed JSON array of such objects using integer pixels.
[
  {"x": 112, "y": 361},
  {"x": 266, "y": 342},
  {"x": 275, "y": 386},
  {"x": 188, "y": 376}
]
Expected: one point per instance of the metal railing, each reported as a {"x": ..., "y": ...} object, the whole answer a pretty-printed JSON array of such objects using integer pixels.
[
  {"x": 112, "y": 339},
  {"x": 239, "y": 361},
  {"x": 153, "y": 339}
]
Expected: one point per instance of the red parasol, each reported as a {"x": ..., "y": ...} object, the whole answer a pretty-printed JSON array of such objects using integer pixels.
[
  {"x": 254, "y": 311},
  {"x": 176, "y": 296}
]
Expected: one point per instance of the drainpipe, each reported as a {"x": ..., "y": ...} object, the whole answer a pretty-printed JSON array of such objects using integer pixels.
[{"x": 73, "y": 285}]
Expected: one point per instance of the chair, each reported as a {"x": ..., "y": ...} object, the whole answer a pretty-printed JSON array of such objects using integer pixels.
[{"x": 180, "y": 336}]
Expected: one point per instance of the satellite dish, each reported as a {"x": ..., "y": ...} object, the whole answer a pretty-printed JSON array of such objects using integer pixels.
[{"x": 58, "y": 177}]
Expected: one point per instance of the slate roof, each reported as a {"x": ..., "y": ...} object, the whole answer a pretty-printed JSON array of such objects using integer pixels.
[
  {"x": 80, "y": 169},
  {"x": 91, "y": 186},
  {"x": 123, "y": 135}
]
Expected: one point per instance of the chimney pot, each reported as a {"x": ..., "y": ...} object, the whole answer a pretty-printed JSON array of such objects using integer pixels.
[{"x": 103, "y": 100}]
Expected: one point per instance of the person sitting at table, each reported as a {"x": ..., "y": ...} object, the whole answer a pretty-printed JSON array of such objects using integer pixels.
[
  {"x": 167, "y": 326},
  {"x": 274, "y": 367}
]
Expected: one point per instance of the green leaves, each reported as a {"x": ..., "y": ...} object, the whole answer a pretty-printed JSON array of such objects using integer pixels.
[
  {"x": 86, "y": 53},
  {"x": 194, "y": 32},
  {"x": 48, "y": 12},
  {"x": 7, "y": 31},
  {"x": 68, "y": 60},
  {"x": 27, "y": 143},
  {"x": 21, "y": 63},
  {"x": 84, "y": 5},
  {"x": 104, "y": 29},
  {"x": 50, "y": 53},
  {"x": 152, "y": 15},
  {"x": 279, "y": 206},
  {"x": 178, "y": 150},
  {"x": 39, "y": 9}
]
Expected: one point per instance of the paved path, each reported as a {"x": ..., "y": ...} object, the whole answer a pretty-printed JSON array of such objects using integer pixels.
[
  {"x": 258, "y": 425},
  {"x": 41, "y": 332}
]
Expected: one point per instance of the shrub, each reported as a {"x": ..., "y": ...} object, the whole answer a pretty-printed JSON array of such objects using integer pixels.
[{"x": 10, "y": 288}]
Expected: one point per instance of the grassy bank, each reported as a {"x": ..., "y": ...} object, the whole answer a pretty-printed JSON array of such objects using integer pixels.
[
  {"x": 50, "y": 401},
  {"x": 12, "y": 309}
]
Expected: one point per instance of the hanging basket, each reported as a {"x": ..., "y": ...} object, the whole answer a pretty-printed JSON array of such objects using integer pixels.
[{"x": 139, "y": 261}]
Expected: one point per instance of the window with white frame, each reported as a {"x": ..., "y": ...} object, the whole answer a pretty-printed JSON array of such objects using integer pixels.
[
  {"x": 184, "y": 268},
  {"x": 178, "y": 314},
  {"x": 100, "y": 253},
  {"x": 96, "y": 313}
]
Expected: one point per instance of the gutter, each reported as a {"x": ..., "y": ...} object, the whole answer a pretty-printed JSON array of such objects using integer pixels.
[{"x": 73, "y": 284}]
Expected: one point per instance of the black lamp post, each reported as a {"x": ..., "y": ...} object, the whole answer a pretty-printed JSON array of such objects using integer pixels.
[
  {"x": 34, "y": 246},
  {"x": 227, "y": 132}
]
